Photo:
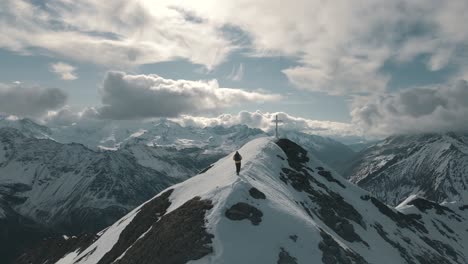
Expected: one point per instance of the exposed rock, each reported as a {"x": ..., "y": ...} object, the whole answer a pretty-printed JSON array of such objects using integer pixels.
[
  {"x": 327, "y": 175},
  {"x": 293, "y": 237},
  {"x": 285, "y": 258},
  {"x": 255, "y": 193},
  {"x": 146, "y": 218},
  {"x": 423, "y": 205},
  {"x": 334, "y": 211},
  {"x": 241, "y": 211},
  {"x": 177, "y": 238},
  {"x": 206, "y": 169},
  {"x": 51, "y": 250},
  {"x": 295, "y": 153},
  {"x": 333, "y": 253}
]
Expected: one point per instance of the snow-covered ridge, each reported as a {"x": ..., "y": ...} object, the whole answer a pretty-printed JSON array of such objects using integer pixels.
[
  {"x": 433, "y": 166},
  {"x": 284, "y": 208}
]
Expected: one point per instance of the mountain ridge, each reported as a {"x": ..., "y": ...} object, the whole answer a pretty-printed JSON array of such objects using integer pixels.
[
  {"x": 323, "y": 219},
  {"x": 431, "y": 165}
]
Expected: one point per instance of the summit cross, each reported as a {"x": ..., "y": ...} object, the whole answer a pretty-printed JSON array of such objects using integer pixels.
[{"x": 276, "y": 121}]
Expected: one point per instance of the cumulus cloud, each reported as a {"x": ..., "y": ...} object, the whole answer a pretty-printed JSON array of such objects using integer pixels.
[
  {"x": 119, "y": 33},
  {"x": 66, "y": 116},
  {"x": 424, "y": 109},
  {"x": 341, "y": 46},
  {"x": 65, "y": 71},
  {"x": 263, "y": 120},
  {"x": 126, "y": 96},
  {"x": 29, "y": 101}
]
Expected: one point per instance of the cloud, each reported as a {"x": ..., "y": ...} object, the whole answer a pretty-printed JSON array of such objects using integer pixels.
[
  {"x": 342, "y": 46},
  {"x": 263, "y": 121},
  {"x": 126, "y": 96},
  {"x": 237, "y": 73},
  {"x": 65, "y": 71},
  {"x": 119, "y": 33},
  {"x": 66, "y": 116},
  {"x": 29, "y": 101},
  {"x": 423, "y": 109}
]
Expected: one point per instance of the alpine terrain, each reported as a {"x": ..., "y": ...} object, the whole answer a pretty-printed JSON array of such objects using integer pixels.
[
  {"x": 213, "y": 141},
  {"x": 66, "y": 188},
  {"x": 285, "y": 207},
  {"x": 433, "y": 166},
  {"x": 50, "y": 185}
]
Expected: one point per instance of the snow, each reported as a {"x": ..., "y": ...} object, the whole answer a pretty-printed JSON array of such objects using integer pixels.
[
  {"x": 140, "y": 237},
  {"x": 2, "y": 213},
  {"x": 241, "y": 242},
  {"x": 100, "y": 247},
  {"x": 434, "y": 166}
]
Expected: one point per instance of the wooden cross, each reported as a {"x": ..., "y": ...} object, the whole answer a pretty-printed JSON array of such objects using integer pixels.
[{"x": 277, "y": 121}]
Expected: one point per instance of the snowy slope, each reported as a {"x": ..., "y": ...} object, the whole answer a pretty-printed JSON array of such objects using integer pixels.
[
  {"x": 434, "y": 166},
  {"x": 70, "y": 187},
  {"x": 284, "y": 208}
]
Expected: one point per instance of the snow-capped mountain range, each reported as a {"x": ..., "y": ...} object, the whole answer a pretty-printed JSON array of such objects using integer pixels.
[
  {"x": 59, "y": 185},
  {"x": 46, "y": 186},
  {"x": 285, "y": 207},
  {"x": 434, "y": 166},
  {"x": 114, "y": 135}
]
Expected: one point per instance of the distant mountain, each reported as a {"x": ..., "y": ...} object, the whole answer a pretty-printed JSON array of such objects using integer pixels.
[
  {"x": 331, "y": 152},
  {"x": 165, "y": 134},
  {"x": 26, "y": 126},
  {"x": 433, "y": 166},
  {"x": 357, "y": 147},
  {"x": 284, "y": 208},
  {"x": 69, "y": 188}
]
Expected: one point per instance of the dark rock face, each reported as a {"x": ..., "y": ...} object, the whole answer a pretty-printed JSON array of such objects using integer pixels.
[
  {"x": 327, "y": 175},
  {"x": 333, "y": 253},
  {"x": 51, "y": 250},
  {"x": 176, "y": 238},
  {"x": 285, "y": 258},
  {"x": 241, "y": 211},
  {"x": 54, "y": 249},
  {"x": 255, "y": 193},
  {"x": 423, "y": 205},
  {"x": 295, "y": 153},
  {"x": 293, "y": 237},
  {"x": 339, "y": 215},
  {"x": 333, "y": 210},
  {"x": 18, "y": 233},
  {"x": 183, "y": 227},
  {"x": 147, "y": 216}
]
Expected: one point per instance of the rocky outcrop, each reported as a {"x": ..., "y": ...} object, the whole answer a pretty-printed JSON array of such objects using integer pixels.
[{"x": 241, "y": 211}]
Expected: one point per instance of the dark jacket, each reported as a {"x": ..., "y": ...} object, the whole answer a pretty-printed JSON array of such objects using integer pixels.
[{"x": 237, "y": 157}]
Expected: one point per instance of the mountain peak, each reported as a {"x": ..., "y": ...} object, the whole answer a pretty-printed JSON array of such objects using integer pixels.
[
  {"x": 432, "y": 166},
  {"x": 284, "y": 207}
]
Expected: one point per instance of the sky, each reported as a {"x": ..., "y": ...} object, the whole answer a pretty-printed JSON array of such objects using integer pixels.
[{"x": 368, "y": 68}]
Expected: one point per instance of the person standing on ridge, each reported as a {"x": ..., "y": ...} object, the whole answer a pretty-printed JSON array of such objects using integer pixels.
[{"x": 237, "y": 159}]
